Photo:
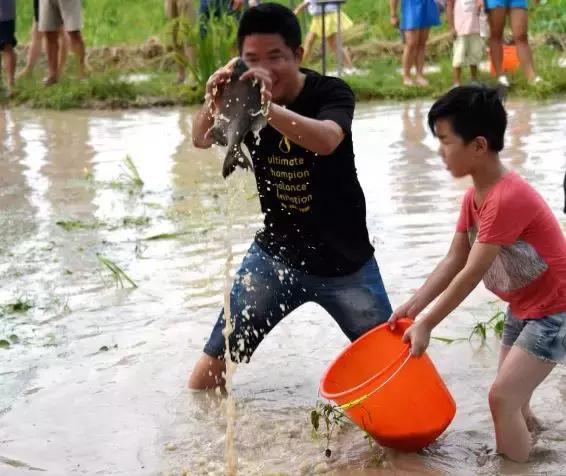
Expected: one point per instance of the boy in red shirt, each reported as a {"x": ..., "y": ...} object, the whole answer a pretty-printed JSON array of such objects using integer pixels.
[{"x": 507, "y": 236}]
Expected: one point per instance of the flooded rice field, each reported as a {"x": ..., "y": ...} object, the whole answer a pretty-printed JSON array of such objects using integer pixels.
[{"x": 113, "y": 275}]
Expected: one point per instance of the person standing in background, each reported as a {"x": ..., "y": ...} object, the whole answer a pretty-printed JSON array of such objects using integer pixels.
[
  {"x": 53, "y": 15},
  {"x": 181, "y": 11},
  {"x": 464, "y": 21},
  {"x": 8, "y": 41},
  {"x": 330, "y": 30},
  {"x": 517, "y": 11},
  {"x": 417, "y": 17},
  {"x": 35, "y": 46}
]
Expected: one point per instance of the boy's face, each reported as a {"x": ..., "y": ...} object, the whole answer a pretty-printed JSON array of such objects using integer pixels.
[
  {"x": 460, "y": 158},
  {"x": 270, "y": 52}
]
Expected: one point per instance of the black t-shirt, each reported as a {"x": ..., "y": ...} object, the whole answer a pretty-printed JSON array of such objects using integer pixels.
[{"x": 315, "y": 212}]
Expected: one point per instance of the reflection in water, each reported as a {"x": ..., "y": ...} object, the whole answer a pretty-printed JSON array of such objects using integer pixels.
[{"x": 97, "y": 382}]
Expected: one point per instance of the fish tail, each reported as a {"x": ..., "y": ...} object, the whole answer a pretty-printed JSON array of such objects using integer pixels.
[{"x": 235, "y": 157}]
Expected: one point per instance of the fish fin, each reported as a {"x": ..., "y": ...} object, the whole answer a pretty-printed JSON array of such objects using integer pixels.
[{"x": 235, "y": 157}]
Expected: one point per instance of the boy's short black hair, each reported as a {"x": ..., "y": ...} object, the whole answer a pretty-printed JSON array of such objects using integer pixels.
[
  {"x": 268, "y": 18},
  {"x": 473, "y": 111}
]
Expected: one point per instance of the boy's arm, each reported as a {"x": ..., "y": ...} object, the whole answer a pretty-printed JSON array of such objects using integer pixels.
[
  {"x": 479, "y": 261},
  {"x": 438, "y": 280}
]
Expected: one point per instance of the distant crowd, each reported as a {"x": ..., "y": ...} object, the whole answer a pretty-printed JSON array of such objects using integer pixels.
[{"x": 57, "y": 26}]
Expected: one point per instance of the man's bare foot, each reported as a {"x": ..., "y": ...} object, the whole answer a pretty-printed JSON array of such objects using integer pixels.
[
  {"x": 49, "y": 81},
  {"x": 421, "y": 81}
]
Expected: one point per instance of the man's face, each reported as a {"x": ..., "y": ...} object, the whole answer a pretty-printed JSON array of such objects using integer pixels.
[
  {"x": 270, "y": 52},
  {"x": 458, "y": 157}
]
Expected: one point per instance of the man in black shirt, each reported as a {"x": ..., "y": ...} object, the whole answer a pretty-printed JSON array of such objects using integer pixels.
[{"x": 314, "y": 245}]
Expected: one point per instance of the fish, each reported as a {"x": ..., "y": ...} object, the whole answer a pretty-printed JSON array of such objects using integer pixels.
[{"x": 239, "y": 113}]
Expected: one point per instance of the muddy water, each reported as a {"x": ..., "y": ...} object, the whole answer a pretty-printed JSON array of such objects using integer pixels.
[{"x": 96, "y": 383}]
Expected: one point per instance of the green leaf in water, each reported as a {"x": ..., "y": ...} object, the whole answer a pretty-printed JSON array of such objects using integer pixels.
[
  {"x": 166, "y": 236},
  {"x": 72, "y": 225},
  {"x": 21, "y": 305},
  {"x": 315, "y": 419},
  {"x": 118, "y": 273}
]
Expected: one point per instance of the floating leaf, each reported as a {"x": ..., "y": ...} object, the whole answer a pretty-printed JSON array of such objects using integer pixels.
[{"x": 315, "y": 419}]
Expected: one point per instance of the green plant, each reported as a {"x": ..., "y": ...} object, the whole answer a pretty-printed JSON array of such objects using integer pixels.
[
  {"x": 130, "y": 173},
  {"x": 117, "y": 273},
  {"x": 20, "y": 305},
  {"x": 213, "y": 42},
  {"x": 332, "y": 416}
]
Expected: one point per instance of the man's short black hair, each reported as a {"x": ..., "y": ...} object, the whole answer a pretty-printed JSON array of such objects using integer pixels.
[
  {"x": 473, "y": 111},
  {"x": 270, "y": 18}
]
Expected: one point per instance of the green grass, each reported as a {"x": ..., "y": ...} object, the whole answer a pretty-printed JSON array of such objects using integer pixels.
[
  {"x": 107, "y": 89},
  {"x": 108, "y": 22}
]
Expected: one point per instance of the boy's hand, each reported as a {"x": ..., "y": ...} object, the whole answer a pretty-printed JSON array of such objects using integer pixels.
[
  {"x": 454, "y": 33},
  {"x": 419, "y": 337},
  {"x": 407, "y": 310},
  {"x": 394, "y": 21}
]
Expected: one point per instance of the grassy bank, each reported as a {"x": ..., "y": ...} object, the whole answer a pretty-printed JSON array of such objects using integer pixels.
[{"x": 130, "y": 71}]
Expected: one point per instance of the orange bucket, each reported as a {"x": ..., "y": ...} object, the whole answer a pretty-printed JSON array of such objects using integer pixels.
[
  {"x": 400, "y": 400},
  {"x": 510, "y": 60}
]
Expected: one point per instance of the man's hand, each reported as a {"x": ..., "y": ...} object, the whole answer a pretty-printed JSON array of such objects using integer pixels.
[
  {"x": 215, "y": 84},
  {"x": 264, "y": 78},
  {"x": 394, "y": 21},
  {"x": 418, "y": 335},
  {"x": 237, "y": 4}
]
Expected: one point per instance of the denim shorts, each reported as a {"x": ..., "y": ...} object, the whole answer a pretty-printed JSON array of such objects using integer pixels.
[
  {"x": 266, "y": 290},
  {"x": 491, "y": 4},
  {"x": 545, "y": 338}
]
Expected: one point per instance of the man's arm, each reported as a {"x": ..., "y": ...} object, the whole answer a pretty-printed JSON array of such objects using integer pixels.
[
  {"x": 202, "y": 122},
  {"x": 319, "y": 136}
]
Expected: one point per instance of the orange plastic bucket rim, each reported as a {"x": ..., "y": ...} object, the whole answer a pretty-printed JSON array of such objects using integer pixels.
[{"x": 345, "y": 393}]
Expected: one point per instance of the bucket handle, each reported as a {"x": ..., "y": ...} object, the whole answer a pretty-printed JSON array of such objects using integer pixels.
[{"x": 357, "y": 401}]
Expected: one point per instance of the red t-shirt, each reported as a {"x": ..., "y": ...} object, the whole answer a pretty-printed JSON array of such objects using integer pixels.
[{"x": 530, "y": 270}]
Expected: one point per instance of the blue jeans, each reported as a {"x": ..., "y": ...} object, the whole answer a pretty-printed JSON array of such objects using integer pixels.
[{"x": 265, "y": 291}]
